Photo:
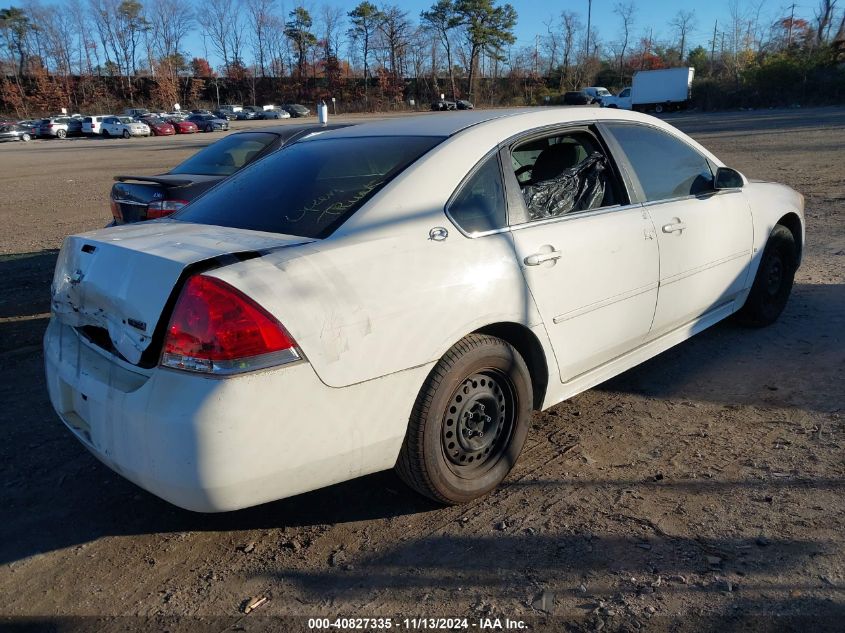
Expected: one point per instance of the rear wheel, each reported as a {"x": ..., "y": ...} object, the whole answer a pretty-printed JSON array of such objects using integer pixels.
[
  {"x": 61, "y": 133},
  {"x": 658, "y": 108},
  {"x": 774, "y": 279},
  {"x": 469, "y": 421},
  {"x": 209, "y": 128},
  {"x": 106, "y": 134},
  {"x": 25, "y": 137}
]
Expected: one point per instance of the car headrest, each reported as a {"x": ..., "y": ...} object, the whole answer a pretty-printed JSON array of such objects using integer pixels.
[{"x": 553, "y": 160}]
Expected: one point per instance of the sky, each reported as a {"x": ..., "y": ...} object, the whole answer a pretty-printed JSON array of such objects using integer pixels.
[{"x": 649, "y": 14}]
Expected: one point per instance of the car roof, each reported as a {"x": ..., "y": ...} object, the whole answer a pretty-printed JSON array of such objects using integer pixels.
[{"x": 450, "y": 123}]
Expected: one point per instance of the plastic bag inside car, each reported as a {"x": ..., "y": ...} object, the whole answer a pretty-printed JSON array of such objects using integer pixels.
[{"x": 577, "y": 188}]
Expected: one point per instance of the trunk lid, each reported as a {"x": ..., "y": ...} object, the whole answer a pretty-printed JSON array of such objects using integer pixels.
[
  {"x": 131, "y": 195},
  {"x": 120, "y": 280}
]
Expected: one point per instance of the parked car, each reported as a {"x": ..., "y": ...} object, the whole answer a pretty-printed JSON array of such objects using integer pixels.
[
  {"x": 596, "y": 93},
  {"x": 159, "y": 126},
  {"x": 369, "y": 308},
  {"x": 56, "y": 127},
  {"x": 138, "y": 198},
  {"x": 91, "y": 124},
  {"x": 74, "y": 126},
  {"x": 442, "y": 104},
  {"x": 208, "y": 122},
  {"x": 248, "y": 114},
  {"x": 296, "y": 110},
  {"x": 273, "y": 114},
  {"x": 227, "y": 115},
  {"x": 123, "y": 126},
  {"x": 136, "y": 113},
  {"x": 200, "y": 111},
  {"x": 576, "y": 97},
  {"x": 463, "y": 104},
  {"x": 13, "y": 132},
  {"x": 32, "y": 126},
  {"x": 183, "y": 126}
]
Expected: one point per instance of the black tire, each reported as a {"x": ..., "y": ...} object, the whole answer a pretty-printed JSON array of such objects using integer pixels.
[
  {"x": 61, "y": 133},
  {"x": 126, "y": 134},
  {"x": 658, "y": 109},
  {"x": 209, "y": 128},
  {"x": 773, "y": 282},
  {"x": 105, "y": 134},
  {"x": 445, "y": 455}
]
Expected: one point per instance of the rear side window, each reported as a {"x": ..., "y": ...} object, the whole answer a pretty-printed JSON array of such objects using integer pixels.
[
  {"x": 227, "y": 155},
  {"x": 309, "y": 188},
  {"x": 479, "y": 205},
  {"x": 665, "y": 166}
]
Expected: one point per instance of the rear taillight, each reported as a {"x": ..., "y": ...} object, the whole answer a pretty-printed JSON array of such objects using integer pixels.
[
  {"x": 161, "y": 208},
  {"x": 216, "y": 329},
  {"x": 116, "y": 211}
]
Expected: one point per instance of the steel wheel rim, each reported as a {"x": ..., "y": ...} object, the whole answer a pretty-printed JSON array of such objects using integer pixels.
[
  {"x": 478, "y": 423},
  {"x": 774, "y": 276}
]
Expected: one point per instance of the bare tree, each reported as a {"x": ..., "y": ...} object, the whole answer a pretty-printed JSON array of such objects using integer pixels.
[
  {"x": 171, "y": 22},
  {"x": 570, "y": 25},
  {"x": 331, "y": 18},
  {"x": 259, "y": 13},
  {"x": 824, "y": 20},
  {"x": 442, "y": 19},
  {"x": 395, "y": 29},
  {"x": 684, "y": 25},
  {"x": 626, "y": 16},
  {"x": 216, "y": 18}
]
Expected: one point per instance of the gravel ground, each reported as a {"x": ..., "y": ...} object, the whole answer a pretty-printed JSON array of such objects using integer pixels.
[{"x": 702, "y": 490}]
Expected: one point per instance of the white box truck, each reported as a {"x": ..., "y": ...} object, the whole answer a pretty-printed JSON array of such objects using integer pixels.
[{"x": 658, "y": 90}]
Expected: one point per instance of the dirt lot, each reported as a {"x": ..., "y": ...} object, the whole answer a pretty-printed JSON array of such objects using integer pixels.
[{"x": 702, "y": 490}]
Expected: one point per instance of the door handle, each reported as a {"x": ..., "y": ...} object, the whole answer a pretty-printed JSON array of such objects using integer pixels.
[
  {"x": 538, "y": 258},
  {"x": 676, "y": 227}
]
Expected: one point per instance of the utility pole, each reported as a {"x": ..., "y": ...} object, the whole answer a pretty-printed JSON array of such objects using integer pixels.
[
  {"x": 791, "y": 20},
  {"x": 713, "y": 47},
  {"x": 589, "y": 17}
]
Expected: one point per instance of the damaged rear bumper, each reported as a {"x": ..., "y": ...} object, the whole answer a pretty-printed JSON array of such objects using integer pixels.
[{"x": 211, "y": 445}]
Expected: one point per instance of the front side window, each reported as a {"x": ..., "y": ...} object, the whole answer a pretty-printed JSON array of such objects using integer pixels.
[
  {"x": 563, "y": 173},
  {"x": 480, "y": 203},
  {"x": 665, "y": 166},
  {"x": 308, "y": 188}
]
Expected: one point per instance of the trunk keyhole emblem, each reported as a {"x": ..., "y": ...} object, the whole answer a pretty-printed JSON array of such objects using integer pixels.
[{"x": 438, "y": 234}]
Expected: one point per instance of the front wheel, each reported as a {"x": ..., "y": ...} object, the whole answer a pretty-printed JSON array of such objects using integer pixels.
[
  {"x": 61, "y": 133},
  {"x": 658, "y": 109},
  {"x": 25, "y": 137},
  {"x": 469, "y": 421},
  {"x": 126, "y": 134},
  {"x": 773, "y": 283}
]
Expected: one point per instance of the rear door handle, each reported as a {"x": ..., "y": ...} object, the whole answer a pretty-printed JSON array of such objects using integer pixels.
[
  {"x": 538, "y": 258},
  {"x": 677, "y": 227}
]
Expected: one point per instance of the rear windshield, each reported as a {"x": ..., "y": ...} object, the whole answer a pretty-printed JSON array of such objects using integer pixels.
[
  {"x": 227, "y": 155},
  {"x": 310, "y": 188}
]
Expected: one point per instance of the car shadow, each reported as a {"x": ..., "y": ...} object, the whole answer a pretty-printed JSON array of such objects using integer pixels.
[{"x": 56, "y": 495}]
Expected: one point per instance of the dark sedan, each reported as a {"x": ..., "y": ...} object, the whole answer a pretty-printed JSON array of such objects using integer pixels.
[
  {"x": 296, "y": 110},
  {"x": 208, "y": 122},
  {"x": 442, "y": 104},
  {"x": 12, "y": 132},
  {"x": 138, "y": 198},
  {"x": 576, "y": 97},
  {"x": 463, "y": 104}
]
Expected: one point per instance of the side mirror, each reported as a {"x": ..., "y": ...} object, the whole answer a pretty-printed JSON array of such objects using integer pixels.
[{"x": 727, "y": 178}]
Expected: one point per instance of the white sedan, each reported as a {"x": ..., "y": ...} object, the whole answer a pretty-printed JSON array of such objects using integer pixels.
[
  {"x": 123, "y": 126},
  {"x": 402, "y": 294}
]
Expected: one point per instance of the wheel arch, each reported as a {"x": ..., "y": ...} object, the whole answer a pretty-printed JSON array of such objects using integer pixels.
[
  {"x": 531, "y": 350},
  {"x": 792, "y": 222}
]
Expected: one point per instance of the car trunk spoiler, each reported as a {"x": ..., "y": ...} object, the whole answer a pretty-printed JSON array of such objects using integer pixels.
[{"x": 167, "y": 181}]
